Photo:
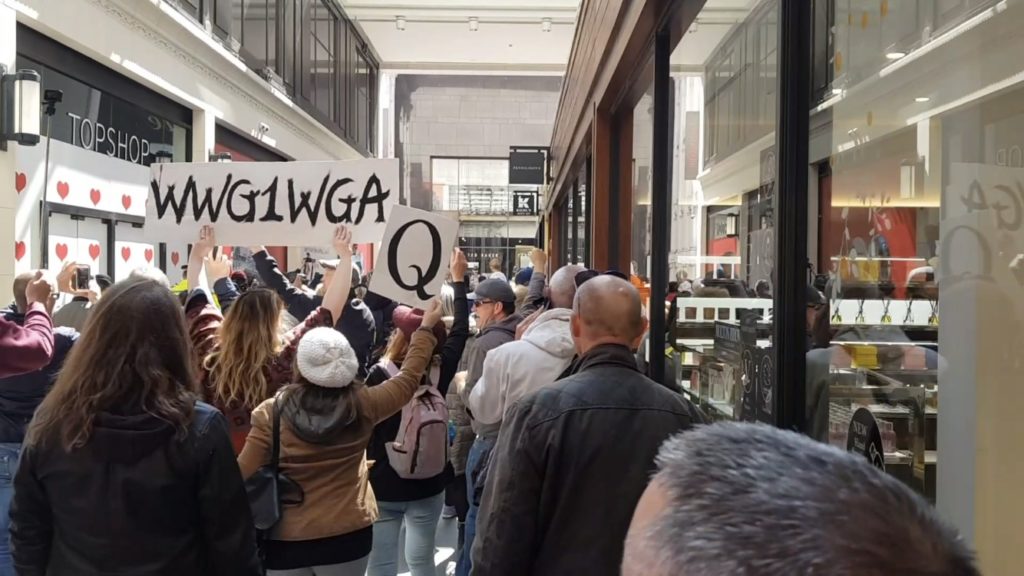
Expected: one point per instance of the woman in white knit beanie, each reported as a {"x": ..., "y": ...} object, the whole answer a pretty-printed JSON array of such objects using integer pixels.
[{"x": 326, "y": 420}]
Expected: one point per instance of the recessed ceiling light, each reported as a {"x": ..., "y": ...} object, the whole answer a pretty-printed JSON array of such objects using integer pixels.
[
  {"x": 895, "y": 55},
  {"x": 474, "y": 24},
  {"x": 400, "y": 22},
  {"x": 837, "y": 91},
  {"x": 545, "y": 25},
  {"x": 922, "y": 99}
]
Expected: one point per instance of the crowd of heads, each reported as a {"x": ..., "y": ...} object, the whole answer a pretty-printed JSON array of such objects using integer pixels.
[{"x": 725, "y": 499}]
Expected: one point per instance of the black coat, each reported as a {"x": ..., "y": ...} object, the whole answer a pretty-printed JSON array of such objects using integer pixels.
[
  {"x": 387, "y": 485},
  {"x": 20, "y": 395},
  {"x": 356, "y": 321},
  {"x": 134, "y": 500},
  {"x": 571, "y": 462}
]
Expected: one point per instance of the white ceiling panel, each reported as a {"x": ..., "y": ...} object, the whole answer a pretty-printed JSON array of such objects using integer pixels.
[{"x": 437, "y": 34}]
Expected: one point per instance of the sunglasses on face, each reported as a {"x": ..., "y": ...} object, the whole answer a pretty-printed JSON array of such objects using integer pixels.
[{"x": 479, "y": 303}]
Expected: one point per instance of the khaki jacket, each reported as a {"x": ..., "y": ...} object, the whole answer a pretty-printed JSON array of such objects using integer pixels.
[{"x": 334, "y": 476}]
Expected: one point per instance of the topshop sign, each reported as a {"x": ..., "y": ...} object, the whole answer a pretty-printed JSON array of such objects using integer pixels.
[{"x": 96, "y": 137}]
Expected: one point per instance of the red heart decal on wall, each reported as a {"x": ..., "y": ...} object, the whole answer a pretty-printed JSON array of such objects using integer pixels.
[
  {"x": 148, "y": 254},
  {"x": 20, "y": 181},
  {"x": 63, "y": 189},
  {"x": 126, "y": 201},
  {"x": 94, "y": 251},
  {"x": 62, "y": 251},
  {"x": 94, "y": 195},
  {"x": 226, "y": 250},
  {"x": 19, "y": 250},
  {"x": 126, "y": 253},
  {"x": 175, "y": 258}
]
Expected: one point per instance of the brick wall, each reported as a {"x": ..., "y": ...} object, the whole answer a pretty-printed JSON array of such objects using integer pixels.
[{"x": 467, "y": 116}]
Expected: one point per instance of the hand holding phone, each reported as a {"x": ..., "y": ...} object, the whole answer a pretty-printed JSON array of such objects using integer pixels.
[{"x": 80, "y": 281}]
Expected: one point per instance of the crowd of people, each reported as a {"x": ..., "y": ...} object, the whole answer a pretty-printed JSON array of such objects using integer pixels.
[{"x": 293, "y": 429}]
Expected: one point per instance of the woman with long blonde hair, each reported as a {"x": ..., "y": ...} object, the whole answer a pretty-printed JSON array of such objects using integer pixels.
[
  {"x": 123, "y": 469},
  {"x": 240, "y": 358}
]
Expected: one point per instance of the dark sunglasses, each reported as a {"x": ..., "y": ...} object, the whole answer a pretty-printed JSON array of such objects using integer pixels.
[
  {"x": 478, "y": 303},
  {"x": 585, "y": 275}
]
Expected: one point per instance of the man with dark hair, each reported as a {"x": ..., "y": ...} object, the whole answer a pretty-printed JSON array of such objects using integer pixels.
[
  {"x": 494, "y": 304},
  {"x": 574, "y": 456},
  {"x": 752, "y": 500}
]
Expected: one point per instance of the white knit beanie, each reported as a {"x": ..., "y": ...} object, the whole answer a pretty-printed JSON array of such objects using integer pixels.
[{"x": 325, "y": 358}]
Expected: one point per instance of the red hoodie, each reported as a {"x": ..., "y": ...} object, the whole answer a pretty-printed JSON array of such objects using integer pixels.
[{"x": 28, "y": 347}]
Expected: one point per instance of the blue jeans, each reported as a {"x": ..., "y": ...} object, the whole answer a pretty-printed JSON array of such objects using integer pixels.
[
  {"x": 9, "y": 453},
  {"x": 421, "y": 518},
  {"x": 478, "y": 455}
]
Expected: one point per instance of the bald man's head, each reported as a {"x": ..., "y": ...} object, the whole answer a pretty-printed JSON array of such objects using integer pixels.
[
  {"x": 563, "y": 286},
  {"x": 607, "y": 311},
  {"x": 20, "y": 284}
]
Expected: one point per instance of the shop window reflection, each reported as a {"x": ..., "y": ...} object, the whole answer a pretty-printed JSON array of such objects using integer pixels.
[
  {"x": 722, "y": 234},
  {"x": 919, "y": 196}
]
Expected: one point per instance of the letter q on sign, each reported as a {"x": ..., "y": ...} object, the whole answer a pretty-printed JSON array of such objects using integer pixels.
[{"x": 417, "y": 248}]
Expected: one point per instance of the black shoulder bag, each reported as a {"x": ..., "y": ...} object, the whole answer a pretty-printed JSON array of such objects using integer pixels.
[{"x": 268, "y": 488}]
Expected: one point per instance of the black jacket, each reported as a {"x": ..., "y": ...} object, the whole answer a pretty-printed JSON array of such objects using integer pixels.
[
  {"x": 387, "y": 485},
  {"x": 356, "y": 321},
  {"x": 134, "y": 500},
  {"x": 20, "y": 395},
  {"x": 571, "y": 462}
]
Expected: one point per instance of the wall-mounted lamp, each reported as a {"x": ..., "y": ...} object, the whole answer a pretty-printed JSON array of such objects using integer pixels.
[
  {"x": 19, "y": 107},
  {"x": 545, "y": 25},
  {"x": 163, "y": 157},
  {"x": 400, "y": 23},
  {"x": 732, "y": 225},
  {"x": 220, "y": 157},
  {"x": 474, "y": 24},
  {"x": 263, "y": 128}
]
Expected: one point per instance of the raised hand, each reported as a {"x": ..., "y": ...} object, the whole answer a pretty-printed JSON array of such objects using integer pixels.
[
  {"x": 458, "y": 266},
  {"x": 432, "y": 315},
  {"x": 66, "y": 279},
  {"x": 207, "y": 241},
  {"x": 539, "y": 259},
  {"x": 217, "y": 268},
  {"x": 39, "y": 289},
  {"x": 342, "y": 241}
]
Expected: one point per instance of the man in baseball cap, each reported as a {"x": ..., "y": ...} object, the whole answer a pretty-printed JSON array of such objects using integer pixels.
[{"x": 494, "y": 303}]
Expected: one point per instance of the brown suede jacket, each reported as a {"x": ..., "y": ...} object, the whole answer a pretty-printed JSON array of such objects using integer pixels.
[{"x": 334, "y": 476}]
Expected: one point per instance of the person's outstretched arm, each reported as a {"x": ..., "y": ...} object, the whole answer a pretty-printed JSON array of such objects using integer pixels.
[
  {"x": 28, "y": 347},
  {"x": 298, "y": 303},
  {"x": 539, "y": 281},
  {"x": 388, "y": 398},
  {"x": 337, "y": 293},
  {"x": 197, "y": 259},
  {"x": 455, "y": 344}
]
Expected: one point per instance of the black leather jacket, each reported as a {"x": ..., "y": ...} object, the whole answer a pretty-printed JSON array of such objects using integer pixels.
[
  {"x": 134, "y": 501},
  {"x": 571, "y": 462}
]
